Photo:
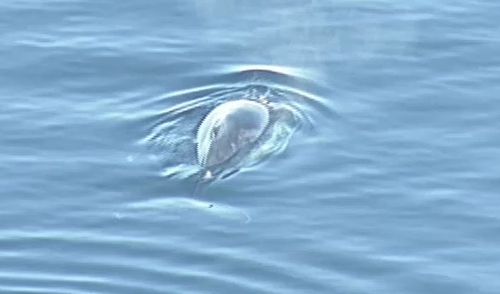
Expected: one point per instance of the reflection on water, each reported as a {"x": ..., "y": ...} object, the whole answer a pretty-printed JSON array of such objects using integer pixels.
[{"x": 182, "y": 207}]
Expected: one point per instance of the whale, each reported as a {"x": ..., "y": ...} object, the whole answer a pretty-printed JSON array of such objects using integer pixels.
[{"x": 228, "y": 131}]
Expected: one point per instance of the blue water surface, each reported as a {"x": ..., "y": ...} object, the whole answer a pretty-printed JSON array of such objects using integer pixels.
[{"x": 391, "y": 184}]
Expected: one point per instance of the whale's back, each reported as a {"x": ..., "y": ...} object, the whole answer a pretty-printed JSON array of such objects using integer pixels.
[{"x": 229, "y": 128}]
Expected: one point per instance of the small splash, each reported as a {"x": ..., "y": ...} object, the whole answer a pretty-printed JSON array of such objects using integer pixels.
[{"x": 180, "y": 171}]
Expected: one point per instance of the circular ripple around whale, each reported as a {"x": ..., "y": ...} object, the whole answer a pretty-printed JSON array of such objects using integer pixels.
[{"x": 172, "y": 130}]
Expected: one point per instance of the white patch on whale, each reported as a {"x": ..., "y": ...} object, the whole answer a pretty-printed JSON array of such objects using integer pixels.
[{"x": 228, "y": 129}]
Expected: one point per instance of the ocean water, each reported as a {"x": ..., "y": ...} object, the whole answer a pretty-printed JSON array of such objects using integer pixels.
[{"x": 390, "y": 185}]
